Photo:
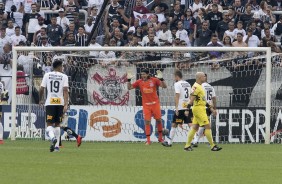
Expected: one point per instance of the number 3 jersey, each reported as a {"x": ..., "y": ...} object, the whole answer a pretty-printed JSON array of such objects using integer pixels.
[
  {"x": 184, "y": 89},
  {"x": 55, "y": 82},
  {"x": 209, "y": 92}
]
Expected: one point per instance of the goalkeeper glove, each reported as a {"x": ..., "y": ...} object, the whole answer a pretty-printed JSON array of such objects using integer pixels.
[
  {"x": 159, "y": 75},
  {"x": 129, "y": 76}
]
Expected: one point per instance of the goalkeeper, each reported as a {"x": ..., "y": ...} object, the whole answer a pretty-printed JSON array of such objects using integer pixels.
[
  {"x": 200, "y": 118},
  {"x": 150, "y": 101}
]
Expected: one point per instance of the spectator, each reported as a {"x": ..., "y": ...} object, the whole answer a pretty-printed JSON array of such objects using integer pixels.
[
  {"x": 134, "y": 27},
  {"x": 176, "y": 42},
  {"x": 95, "y": 3},
  {"x": 239, "y": 9},
  {"x": 22, "y": 87},
  {"x": 247, "y": 16},
  {"x": 17, "y": 37},
  {"x": 239, "y": 29},
  {"x": 164, "y": 35},
  {"x": 227, "y": 41},
  {"x": 239, "y": 43},
  {"x": 274, "y": 47},
  {"x": 38, "y": 38},
  {"x": 230, "y": 32},
  {"x": 81, "y": 37},
  {"x": 4, "y": 39},
  {"x": 263, "y": 9},
  {"x": 134, "y": 42},
  {"x": 231, "y": 14},
  {"x": 72, "y": 11},
  {"x": 44, "y": 42},
  {"x": 214, "y": 54},
  {"x": 209, "y": 7},
  {"x": 40, "y": 24},
  {"x": 139, "y": 8},
  {"x": 7, "y": 57},
  {"x": 89, "y": 26},
  {"x": 203, "y": 35},
  {"x": 107, "y": 57},
  {"x": 118, "y": 37},
  {"x": 32, "y": 22},
  {"x": 222, "y": 26},
  {"x": 277, "y": 28},
  {"x": 158, "y": 3},
  {"x": 269, "y": 17},
  {"x": 94, "y": 45},
  {"x": 160, "y": 14},
  {"x": 145, "y": 28},
  {"x": 111, "y": 12},
  {"x": 196, "y": 6},
  {"x": 10, "y": 30},
  {"x": 3, "y": 21},
  {"x": 72, "y": 29},
  {"x": 200, "y": 18},
  {"x": 94, "y": 14},
  {"x": 175, "y": 16},
  {"x": 273, "y": 4},
  {"x": 267, "y": 37},
  {"x": 251, "y": 40},
  {"x": 145, "y": 39},
  {"x": 70, "y": 40},
  {"x": 189, "y": 21},
  {"x": 182, "y": 33},
  {"x": 16, "y": 16},
  {"x": 54, "y": 32},
  {"x": 154, "y": 22},
  {"x": 214, "y": 17},
  {"x": 266, "y": 25},
  {"x": 253, "y": 5},
  {"x": 62, "y": 20},
  {"x": 139, "y": 33},
  {"x": 27, "y": 5},
  {"x": 256, "y": 29}
]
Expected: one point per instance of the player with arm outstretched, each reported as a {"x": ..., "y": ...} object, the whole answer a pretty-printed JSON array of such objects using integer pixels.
[
  {"x": 150, "y": 101},
  {"x": 200, "y": 118},
  {"x": 211, "y": 100},
  {"x": 56, "y": 103},
  {"x": 182, "y": 92}
]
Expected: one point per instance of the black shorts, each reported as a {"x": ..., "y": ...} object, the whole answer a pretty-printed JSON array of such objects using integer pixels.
[
  {"x": 209, "y": 112},
  {"x": 54, "y": 113},
  {"x": 181, "y": 118}
]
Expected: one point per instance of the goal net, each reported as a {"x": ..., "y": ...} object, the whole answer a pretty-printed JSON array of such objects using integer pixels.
[{"x": 247, "y": 83}]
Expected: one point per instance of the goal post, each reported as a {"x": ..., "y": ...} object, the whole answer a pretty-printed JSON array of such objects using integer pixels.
[{"x": 267, "y": 57}]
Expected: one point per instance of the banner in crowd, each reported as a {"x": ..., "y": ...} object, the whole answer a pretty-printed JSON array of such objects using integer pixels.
[
  {"x": 124, "y": 123},
  {"x": 108, "y": 86},
  {"x": 143, "y": 17}
]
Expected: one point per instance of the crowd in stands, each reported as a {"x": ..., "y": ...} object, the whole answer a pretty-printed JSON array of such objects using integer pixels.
[{"x": 153, "y": 23}]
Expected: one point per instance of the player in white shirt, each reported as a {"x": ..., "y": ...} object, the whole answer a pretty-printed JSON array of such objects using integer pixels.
[
  {"x": 56, "y": 103},
  {"x": 182, "y": 92},
  {"x": 210, "y": 99}
]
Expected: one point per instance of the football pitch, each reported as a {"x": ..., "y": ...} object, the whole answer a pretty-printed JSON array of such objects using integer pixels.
[{"x": 30, "y": 162}]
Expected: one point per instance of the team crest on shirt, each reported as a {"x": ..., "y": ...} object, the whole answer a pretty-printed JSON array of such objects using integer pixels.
[{"x": 110, "y": 91}]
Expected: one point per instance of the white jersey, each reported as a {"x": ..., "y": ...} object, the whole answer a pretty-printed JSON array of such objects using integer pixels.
[
  {"x": 55, "y": 83},
  {"x": 209, "y": 92},
  {"x": 184, "y": 89}
]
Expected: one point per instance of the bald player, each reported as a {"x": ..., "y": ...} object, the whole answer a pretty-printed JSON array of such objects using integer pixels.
[{"x": 200, "y": 118}]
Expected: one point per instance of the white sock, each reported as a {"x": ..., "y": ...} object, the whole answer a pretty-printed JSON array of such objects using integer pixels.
[
  {"x": 57, "y": 132},
  {"x": 1, "y": 131},
  {"x": 50, "y": 132},
  {"x": 171, "y": 135},
  {"x": 198, "y": 135}
]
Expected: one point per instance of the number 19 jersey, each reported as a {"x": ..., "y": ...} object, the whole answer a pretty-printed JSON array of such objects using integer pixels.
[
  {"x": 184, "y": 89},
  {"x": 55, "y": 82}
]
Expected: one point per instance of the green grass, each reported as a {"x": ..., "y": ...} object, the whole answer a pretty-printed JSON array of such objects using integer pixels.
[{"x": 134, "y": 163}]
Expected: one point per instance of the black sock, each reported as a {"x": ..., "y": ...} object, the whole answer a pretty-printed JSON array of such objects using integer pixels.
[
  {"x": 70, "y": 132},
  {"x": 60, "y": 143}
]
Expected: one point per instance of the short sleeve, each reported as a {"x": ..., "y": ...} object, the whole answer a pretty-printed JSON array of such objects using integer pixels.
[
  {"x": 176, "y": 88},
  {"x": 44, "y": 81},
  {"x": 136, "y": 84},
  {"x": 66, "y": 81},
  {"x": 213, "y": 93},
  {"x": 157, "y": 81}
]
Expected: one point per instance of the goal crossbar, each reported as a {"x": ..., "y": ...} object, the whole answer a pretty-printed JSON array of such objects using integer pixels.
[{"x": 138, "y": 49}]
